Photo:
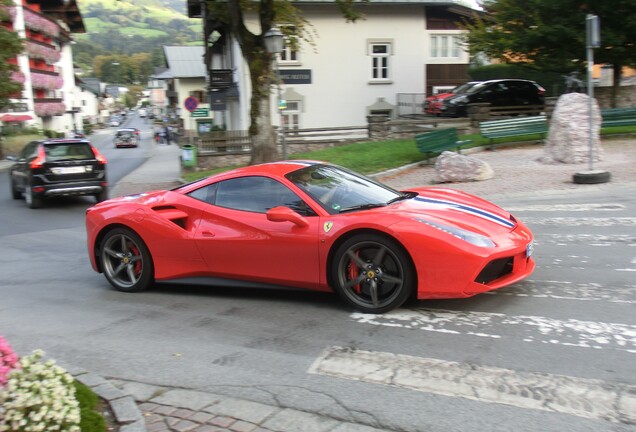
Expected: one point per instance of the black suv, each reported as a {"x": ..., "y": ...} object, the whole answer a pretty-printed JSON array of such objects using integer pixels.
[
  {"x": 501, "y": 92},
  {"x": 58, "y": 167}
]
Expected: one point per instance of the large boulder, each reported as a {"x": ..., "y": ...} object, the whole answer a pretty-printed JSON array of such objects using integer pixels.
[
  {"x": 569, "y": 135},
  {"x": 455, "y": 167}
]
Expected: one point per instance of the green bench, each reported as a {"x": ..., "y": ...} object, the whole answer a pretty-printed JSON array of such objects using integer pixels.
[
  {"x": 618, "y": 117},
  {"x": 438, "y": 141},
  {"x": 513, "y": 127}
]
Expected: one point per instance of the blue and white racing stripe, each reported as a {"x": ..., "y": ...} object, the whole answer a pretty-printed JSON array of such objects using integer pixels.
[{"x": 468, "y": 209}]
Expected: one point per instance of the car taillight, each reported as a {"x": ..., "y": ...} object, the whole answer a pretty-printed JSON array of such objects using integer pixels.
[
  {"x": 541, "y": 91},
  {"x": 39, "y": 160},
  {"x": 100, "y": 158}
]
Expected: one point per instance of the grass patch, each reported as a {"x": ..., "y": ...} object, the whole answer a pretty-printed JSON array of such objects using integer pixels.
[
  {"x": 91, "y": 419},
  {"x": 373, "y": 157},
  {"x": 12, "y": 145}
]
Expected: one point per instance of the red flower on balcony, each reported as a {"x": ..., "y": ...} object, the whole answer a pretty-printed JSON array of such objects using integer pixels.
[
  {"x": 18, "y": 77},
  {"x": 46, "y": 109},
  {"x": 47, "y": 54},
  {"x": 47, "y": 82},
  {"x": 39, "y": 23},
  {"x": 35, "y": 21}
]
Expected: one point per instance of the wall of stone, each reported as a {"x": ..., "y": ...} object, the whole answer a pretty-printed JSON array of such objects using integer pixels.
[{"x": 626, "y": 96}]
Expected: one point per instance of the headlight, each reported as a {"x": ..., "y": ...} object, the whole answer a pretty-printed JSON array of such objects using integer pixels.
[{"x": 467, "y": 236}]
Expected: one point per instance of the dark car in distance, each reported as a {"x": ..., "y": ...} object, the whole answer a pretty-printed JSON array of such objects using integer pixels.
[
  {"x": 500, "y": 92},
  {"x": 433, "y": 104},
  {"x": 126, "y": 137},
  {"x": 58, "y": 167}
]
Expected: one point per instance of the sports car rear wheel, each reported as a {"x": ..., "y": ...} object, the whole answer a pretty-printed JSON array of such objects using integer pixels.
[
  {"x": 126, "y": 261},
  {"x": 372, "y": 273}
]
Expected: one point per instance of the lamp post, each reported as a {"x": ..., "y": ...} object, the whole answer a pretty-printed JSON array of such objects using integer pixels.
[{"x": 274, "y": 43}]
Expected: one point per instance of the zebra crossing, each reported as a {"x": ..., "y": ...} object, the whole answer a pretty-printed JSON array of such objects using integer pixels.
[{"x": 573, "y": 241}]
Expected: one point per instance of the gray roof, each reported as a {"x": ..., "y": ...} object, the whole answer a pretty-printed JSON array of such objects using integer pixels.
[{"x": 185, "y": 61}]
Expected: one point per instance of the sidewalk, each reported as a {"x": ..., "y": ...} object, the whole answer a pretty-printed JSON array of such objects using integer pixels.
[{"x": 140, "y": 407}]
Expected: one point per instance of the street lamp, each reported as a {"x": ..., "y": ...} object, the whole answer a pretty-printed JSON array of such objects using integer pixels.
[{"x": 274, "y": 43}]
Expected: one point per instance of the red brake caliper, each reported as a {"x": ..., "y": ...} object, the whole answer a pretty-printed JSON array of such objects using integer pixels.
[
  {"x": 353, "y": 273},
  {"x": 136, "y": 253}
]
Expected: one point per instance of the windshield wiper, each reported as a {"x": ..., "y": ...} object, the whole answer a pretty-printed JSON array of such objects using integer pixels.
[
  {"x": 405, "y": 195},
  {"x": 362, "y": 207}
]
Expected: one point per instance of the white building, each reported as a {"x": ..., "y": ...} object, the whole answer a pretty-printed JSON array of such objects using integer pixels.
[
  {"x": 385, "y": 63},
  {"x": 46, "y": 64}
]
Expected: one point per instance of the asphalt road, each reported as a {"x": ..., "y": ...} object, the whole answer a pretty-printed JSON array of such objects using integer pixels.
[{"x": 552, "y": 353}]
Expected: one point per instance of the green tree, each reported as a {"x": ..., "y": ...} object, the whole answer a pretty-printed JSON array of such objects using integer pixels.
[
  {"x": 10, "y": 47},
  {"x": 232, "y": 15},
  {"x": 550, "y": 34}
]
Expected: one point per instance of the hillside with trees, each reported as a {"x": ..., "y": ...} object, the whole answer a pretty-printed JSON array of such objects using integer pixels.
[{"x": 124, "y": 38}]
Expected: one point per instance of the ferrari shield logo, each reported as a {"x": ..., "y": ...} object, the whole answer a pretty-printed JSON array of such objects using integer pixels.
[{"x": 327, "y": 226}]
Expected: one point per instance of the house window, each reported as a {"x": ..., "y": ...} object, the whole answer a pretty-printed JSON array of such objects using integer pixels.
[
  {"x": 290, "y": 116},
  {"x": 288, "y": 54},
  {"x": 380, "y": 54},
  {"x": 445, "y": 46},
  {"x": 199, "y": 94}
]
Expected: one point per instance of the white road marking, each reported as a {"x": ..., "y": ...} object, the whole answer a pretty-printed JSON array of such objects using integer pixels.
[
  {"x": 588, "y": 221},
  {"x": 571, "y": 332},
  {"x": 580, "y": 397},
  {"x": 570, "y": 291},
  {"x": 567, "y": 207},
  {"x": 588, "y": 239}
]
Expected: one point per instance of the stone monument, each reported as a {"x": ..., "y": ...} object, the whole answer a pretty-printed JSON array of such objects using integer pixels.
[
  {"x": 569, "y": 134},
  {"x": 455, "y": 167}
]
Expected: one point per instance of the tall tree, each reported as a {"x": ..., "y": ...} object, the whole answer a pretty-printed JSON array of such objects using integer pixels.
[
  {"x": 10, "y": 47},
  {"x": 550, "y": 34},
  {"x": 233, "y": 16}
]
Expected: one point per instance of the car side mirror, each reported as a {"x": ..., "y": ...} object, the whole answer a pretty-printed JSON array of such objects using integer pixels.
[{"x": 285, "y": 214}]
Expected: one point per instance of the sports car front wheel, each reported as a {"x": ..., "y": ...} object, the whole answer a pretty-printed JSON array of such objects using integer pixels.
[
  {"x": 373, "y": 273},
  {"x": 126, "y": 261}
]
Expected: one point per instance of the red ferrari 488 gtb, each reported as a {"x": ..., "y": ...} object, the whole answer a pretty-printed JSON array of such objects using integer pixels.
[{"x": 310, "y": 225}]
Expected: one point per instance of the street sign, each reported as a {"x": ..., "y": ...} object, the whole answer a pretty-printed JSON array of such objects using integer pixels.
[
  {"x": 201, "y": 112},
  {"x": 191, "y": 103}
]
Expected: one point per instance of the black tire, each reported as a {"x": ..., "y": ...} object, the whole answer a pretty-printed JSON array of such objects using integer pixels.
[
  {"x": 126, "y": 261},
  {"x": 373, "y": 273},
  {"x": 33, "y": 201},
  {"x": 591, "y": 177},
  {"x": 102, "y": 196},
  {"x": 16, "y": 194}
]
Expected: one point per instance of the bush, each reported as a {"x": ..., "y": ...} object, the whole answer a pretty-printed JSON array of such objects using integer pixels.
[
  {"x": 87, "y": 126},
  {"x": 39, "y": 397},
  {"x": 8, "y": 360}
]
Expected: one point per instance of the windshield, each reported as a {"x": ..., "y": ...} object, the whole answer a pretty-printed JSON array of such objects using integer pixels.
[
  {"x": 337, "y": 189},
  {"x": 462, "y": 88}
]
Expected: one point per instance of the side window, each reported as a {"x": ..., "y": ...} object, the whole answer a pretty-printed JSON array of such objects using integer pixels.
[
  {"x": 29, "y": 151},
  {"x": 206, "y": 193},
  {"x": 254, "y": 194}
]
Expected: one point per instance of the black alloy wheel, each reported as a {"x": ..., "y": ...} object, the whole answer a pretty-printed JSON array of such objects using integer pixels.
[
  {"x": 126, "y": 261},
  {"x": 373, "y": 273},
  {"x": 15, "y": 193}
]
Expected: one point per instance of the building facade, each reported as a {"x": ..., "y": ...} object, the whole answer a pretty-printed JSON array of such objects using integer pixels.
[
  {"x": 49, "y": 98},
  {"x": 385, "y": 63}
]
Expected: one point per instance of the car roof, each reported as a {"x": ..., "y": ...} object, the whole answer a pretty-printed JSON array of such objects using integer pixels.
[{"x": 65, "y": 141}]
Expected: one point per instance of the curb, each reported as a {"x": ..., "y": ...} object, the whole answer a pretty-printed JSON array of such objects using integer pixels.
[{"x": 124, "y": 406}]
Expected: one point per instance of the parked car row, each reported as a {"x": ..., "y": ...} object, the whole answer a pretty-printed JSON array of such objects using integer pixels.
[{"x": 500, "y": 92}]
